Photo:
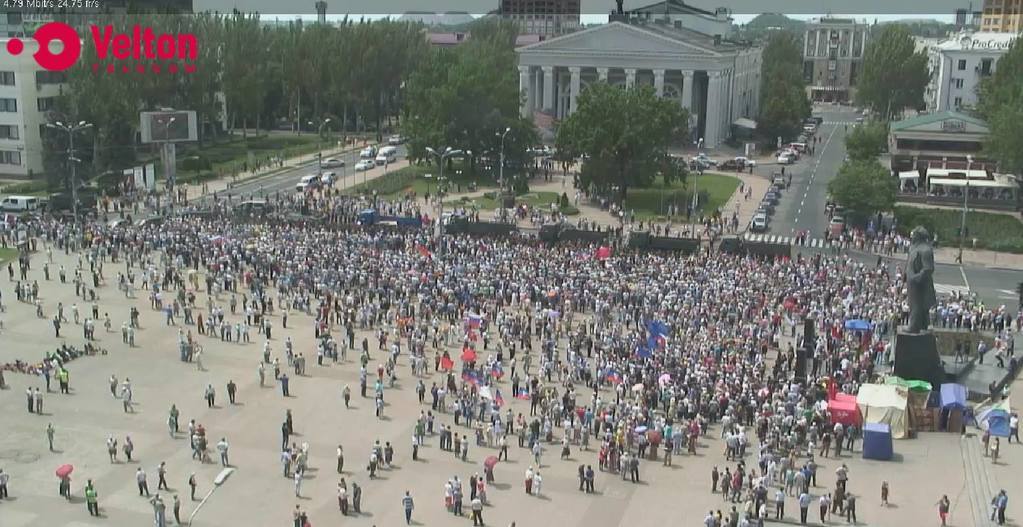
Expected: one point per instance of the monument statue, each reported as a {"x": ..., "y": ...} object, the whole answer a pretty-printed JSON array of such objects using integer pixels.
[
  {"x": 620, "y": 9},
  {"x": 920, "y": 280}
]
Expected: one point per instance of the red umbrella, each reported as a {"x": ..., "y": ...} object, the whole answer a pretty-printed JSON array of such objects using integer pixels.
[
  {"x": 64, "y": 471},
  {"x": 469, "y": 355},
  {"x": 490, "y": 462}
]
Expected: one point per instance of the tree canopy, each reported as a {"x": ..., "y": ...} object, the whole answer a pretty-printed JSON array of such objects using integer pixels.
[
  {"x": 623, "y": 135},
  {"x": 783, "y": 100},
  {"x": 867, "y": 141},
  {"x": 863, "y": 187},
  {"x": 1001, "y": 104},
  {"x": 894, "y": 74}
]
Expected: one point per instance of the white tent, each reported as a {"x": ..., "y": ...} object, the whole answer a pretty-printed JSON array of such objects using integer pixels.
[{"x": 885, "y": 403}]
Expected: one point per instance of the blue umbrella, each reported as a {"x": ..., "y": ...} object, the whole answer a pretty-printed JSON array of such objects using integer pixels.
[{"x": 858, "y": 325}]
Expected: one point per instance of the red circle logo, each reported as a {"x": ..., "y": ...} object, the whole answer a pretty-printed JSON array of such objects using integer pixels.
[{"x": 63, "y": 33}]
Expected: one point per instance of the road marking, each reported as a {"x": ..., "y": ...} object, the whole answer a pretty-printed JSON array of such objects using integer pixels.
[
  {"x": 813, "y": 173},
  {"x": 965, "y": 280},
  {"x": 1007, "y": 294},
  {"x": 948, "y": 289}
]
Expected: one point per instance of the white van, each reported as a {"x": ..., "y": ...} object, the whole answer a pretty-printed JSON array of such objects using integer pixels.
[
  {"x": 387, "y": 155},
  {"x": 19, "y": 203},
  {"x": 368, "y": 153}
]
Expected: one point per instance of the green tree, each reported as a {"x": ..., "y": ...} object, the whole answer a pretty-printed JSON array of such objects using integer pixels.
[
  {"x": 624, "y": 133},
  {"x": 867, "y": 141},
  {"x": 1001, "y": 103},
  {"x": 894, "y": 74},
  {"x": 863, "y": 187},
  {"x": 783, "y": 100}
]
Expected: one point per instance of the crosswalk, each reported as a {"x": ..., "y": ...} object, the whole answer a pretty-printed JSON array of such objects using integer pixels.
[
  {"x": 840, "y": 122},
  {"x": 948, "y": 289},
  {"x": 778, "y": 239}
]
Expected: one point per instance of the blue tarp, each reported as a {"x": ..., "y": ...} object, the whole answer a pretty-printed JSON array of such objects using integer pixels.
[
  {"x": 998, "y": 423},
  {"x": 953, "y": 395},
  {"x": 858, "y": 325}
]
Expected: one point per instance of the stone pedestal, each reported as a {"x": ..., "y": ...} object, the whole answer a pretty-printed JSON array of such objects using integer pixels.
[{"x": 916, "y": 357}]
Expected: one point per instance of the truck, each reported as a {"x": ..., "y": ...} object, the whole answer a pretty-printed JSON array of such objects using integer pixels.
[{"x": 373, "y": 217}]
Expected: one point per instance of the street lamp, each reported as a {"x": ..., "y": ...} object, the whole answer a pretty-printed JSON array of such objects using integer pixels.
[
  {"x": 319, "y": 145},
  {"x": 501, "y": 170},
  {"x": 966, "y": 205},
  {"x": 71, "y": 129},
  {"x": 442, "y": 158}
]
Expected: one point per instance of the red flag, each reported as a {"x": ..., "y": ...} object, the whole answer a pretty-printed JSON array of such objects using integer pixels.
[
  {"x": 832, "y": 389},
  {"x": 446, "y": 363},
  {"x": 423, "y": 251}
]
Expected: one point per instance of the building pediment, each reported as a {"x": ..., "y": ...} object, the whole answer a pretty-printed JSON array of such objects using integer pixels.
[
  {"x": 620, "y": 38},
  {"x": 943, "y": 122}
]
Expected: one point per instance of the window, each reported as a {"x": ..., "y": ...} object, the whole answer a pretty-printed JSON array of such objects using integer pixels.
[
  {"x": 958, "y": 83},
  {"x": 10, "y": 157},
  {"x": 7, "y": 78},
  {"x": 45, "y": 104},
  {"x": 962, "y": 65},
  {"x": 8, "y": 131},
  {"x": 985, "y": 66},
  {"x": 8, "y": 105},
  {"x": 14, "y": 18},
  {"x": 50, "y": 77},
  {"x": 958, "y": 102}
]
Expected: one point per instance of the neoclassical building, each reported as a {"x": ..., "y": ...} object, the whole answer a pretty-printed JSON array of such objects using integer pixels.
[{"x": 717, "y": 80}]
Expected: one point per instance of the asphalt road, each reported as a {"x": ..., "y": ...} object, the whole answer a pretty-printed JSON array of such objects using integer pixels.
[{"x": 285, "y": 181}]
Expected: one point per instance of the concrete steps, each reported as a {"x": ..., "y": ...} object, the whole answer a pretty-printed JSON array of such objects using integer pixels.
[{"x": 980, "y": 487}]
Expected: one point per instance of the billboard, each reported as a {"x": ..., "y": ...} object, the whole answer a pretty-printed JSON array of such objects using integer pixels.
[{"x": 168, "y": 126}]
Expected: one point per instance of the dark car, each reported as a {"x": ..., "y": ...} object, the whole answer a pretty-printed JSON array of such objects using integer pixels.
[{"x": 771, "y": 197}]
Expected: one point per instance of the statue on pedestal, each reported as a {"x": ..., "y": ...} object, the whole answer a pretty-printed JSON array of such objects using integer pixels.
[{"x": 920, "y": 280}]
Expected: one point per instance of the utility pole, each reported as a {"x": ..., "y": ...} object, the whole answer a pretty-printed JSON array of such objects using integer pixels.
[{"x": 71, "y": 129}]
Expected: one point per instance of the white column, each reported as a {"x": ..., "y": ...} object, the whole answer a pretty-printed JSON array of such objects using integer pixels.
[
  {"x": 573, "y": 89},
  {"x": 548, "y": 87},
  {"x": 525, "y": 91},
  {"x": 712, "y": 133},
  {"x": 687, "y": 89},
  {"x": 630, "y": 77},
  {"x": 602, "y": 74},
  {"x": 659, "y": 82}
]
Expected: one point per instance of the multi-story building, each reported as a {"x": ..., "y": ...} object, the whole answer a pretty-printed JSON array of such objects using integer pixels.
[
  {"x": 543, "y": 17},
  {"x": 833, "y": 51},
  {"x": 959, "y": 64},
  {"x": 1002, "y": 16},
  {"x": 27, "y": 93}
]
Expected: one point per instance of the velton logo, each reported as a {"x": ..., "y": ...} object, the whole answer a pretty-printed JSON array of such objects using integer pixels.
[{"x": 141, "y": 51}]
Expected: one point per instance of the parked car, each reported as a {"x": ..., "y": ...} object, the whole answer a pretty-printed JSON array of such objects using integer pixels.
[
  {"x": 704, "y": 159},
  {"x": 155, "y": 221},
  {"x": 364, "y": 165},
  {"x": 759, "y": 223},
  {"x": 745, "y": 161},
  {"x": 328, "y": 178},
  {"x": 786, "y": 158},
  {"x": 368, "y": 153},
  {"x": 332, "y": 162},
  {"x": 810, "y": 128},
  {"x": 836, "y": 226},
  {"x": 766, "y": 207},
  {"x": 395, "y": 140},
  {"x": 310, "y": 182},
  {"x": 771, "y": 197},
  {"x": 19, "y": 203},
  {"x": 780, "y": 181}
]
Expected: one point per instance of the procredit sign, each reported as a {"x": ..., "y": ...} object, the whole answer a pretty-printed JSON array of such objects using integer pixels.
[{"x": 116, "y": 52}]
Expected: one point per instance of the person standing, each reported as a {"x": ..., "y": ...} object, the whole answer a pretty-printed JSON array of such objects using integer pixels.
[
  {"x": 804, "y": 507},
  {"x": 943, "y": 507},
  {"x": 177, "y": 510},
  {"x": 232, "y": 388},
  {"x": 140, "y": 478},
  {"x": 408, "y": 504},
  {"x": 161, "y": 473},
  {"x": 1001, "y": 502},
  {"x": 211, "y": 396},
  {"x": 779, "y": 504},
  {"x": 850, "y": 508},
  {"x": 191, "y": 485},
  {"x": 356, "y": 498},
  {"x": 340, "y": 460},
  {"x": 298, "y": 483},
  {"x": 91, "y": 499},
  {"x": 477, "y": 511},
  {"x": 49, "y": 435},
  {"x": 1014, "y": 427},
  {"x": 222, "y": 447}
]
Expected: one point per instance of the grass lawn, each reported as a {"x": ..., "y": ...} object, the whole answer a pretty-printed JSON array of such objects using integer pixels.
[
  {"x": 652, "y": 202},
  {"x": 413, "y": 178},
  {"x": 997, "y": 232},
  {"x": 7, "y": 255}
]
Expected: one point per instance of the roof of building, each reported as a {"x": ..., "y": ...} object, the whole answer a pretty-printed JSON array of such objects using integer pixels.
[
  {"x": 980, "y": 40},
  {"x": 671, "y": 7},
  {"x": 690, "y": 38},
  {"x": 936, "y": 117}
]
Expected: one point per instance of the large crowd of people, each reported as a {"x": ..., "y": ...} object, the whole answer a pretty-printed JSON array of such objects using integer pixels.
[{"x": 630, "y": 358}]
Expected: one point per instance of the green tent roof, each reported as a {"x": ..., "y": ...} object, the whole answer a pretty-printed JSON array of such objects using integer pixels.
[
  {"x": 936, "y": 117},
  {"x": 909, "y": 384}
]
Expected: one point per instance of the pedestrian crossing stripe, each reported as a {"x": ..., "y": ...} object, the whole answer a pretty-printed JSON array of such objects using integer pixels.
[
  {"x": 812, "y": 243},
  {"x": 841, "y": 122},
  {"x": 948, "y": 289}
]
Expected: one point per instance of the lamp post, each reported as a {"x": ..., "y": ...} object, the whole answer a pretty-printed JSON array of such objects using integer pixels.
[
  {"x": 319, "y": 145},
  {"x": 442, "y": 158},
  {"x": 501, "y": 170},
  {"x": 966, "y": 205},
  {"x": 71, "y": 129}
]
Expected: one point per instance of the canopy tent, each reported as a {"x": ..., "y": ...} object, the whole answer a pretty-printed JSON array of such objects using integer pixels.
[
  {"x": 877, "y": 442},
  {"x": 996, "y": 182},
  {"x": 743, "y": 122},
  {"x": 843, "y": 409},
  {"x": 907, "y": 176},
  {"x": 885, "y": 403},
  {"x": 909, "y": 384},
  {"x": 953, "y": 395},
  {"x": 994, "y": 417}
]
